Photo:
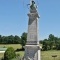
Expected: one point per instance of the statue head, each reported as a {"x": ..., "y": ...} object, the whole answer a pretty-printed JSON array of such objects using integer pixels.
[{"x": 33, "y": 2}]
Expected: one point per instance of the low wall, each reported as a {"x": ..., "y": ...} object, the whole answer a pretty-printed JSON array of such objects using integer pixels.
[{"x": 2, "y": 51}]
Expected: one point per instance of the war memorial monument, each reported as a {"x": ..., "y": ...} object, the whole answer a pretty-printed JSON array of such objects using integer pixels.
[{"x": 32, "y": 49}]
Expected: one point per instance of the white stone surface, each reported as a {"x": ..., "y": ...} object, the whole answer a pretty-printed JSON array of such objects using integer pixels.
[
  {"x": 32, "y": 36},
  {"x": 2, "y": 51},
  {"x": 32, "y": 52}
]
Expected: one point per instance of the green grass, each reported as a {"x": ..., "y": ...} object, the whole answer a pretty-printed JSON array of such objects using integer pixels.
[
  {"x": 21, "y": 53},
  {"x": 47, "y": 55},
  {"x": 15, "y": 46},
  {"x": 1, "y": 55}
]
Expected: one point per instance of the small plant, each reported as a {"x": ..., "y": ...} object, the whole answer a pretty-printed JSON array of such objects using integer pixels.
[{"x": 9, "y": 54}]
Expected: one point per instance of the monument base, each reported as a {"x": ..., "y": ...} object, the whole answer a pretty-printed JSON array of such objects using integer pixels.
[{"x": 32, "y": 52}]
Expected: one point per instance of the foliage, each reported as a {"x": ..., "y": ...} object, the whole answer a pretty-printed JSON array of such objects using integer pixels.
[
  {"x": 58, "y": 46},
  {"x": 45, "y": 46},
  {"x": 9, "y": 54},
  {"x": 14, "y": 39},
  {"x": 52, "y": 43},
  {"x": 17, "y": 39},
  {"x": 23, "y": 39},
  {"x": 9, "y": 39}
]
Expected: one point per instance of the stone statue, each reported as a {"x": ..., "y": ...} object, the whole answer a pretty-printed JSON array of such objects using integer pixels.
[{"x": 33, "y": 6}]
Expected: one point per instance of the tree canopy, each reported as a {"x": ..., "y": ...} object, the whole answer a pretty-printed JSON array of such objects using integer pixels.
[
  {"x": 23, "y": 39},
  {"x": 51, "y": 43}
]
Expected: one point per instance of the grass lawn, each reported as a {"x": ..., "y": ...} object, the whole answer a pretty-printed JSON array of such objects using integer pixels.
[
  {"x": 1, "y": 55},
  {"x": 21, "y": 53},
  {"x": 15, "y": 46},
  {"x": 45, "y": 55}
]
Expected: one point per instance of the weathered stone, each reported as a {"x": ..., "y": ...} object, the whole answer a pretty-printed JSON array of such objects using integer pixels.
[{"x": 32, "y": 49}]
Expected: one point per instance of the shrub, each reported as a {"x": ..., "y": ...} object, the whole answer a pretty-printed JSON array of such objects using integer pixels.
[
  {"x": 9, "y": 54},
  {"x": 58, "y": 46}
]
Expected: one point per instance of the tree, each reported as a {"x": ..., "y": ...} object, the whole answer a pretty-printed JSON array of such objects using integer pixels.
[
  {"x": 23, "y": 39},
  {"x": 17, "y": 39},
  {"x": 0, "y": 39},
  {"x": 41, "y": 41},
  {"x": 9, "y": 54},
  {"x": 10, "y": 39},
  {"x": 5, "y": 40},
  {"x": 51, "y": 39},
  {"x": 45, "y": 45},
  {"x": 58, "y": 47}
]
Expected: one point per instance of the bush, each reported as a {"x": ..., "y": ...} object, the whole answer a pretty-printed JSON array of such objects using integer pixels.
[
  {"x": 58, "y": 46},
  {"x": 9, "y": 54}
]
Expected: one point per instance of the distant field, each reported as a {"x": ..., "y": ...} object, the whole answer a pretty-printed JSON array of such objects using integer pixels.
[
  {"x": 45, "y": 55},
  {"x": 15, "y": 46}
]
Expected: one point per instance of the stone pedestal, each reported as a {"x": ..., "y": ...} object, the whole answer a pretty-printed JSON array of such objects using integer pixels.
[{"x": 32, "y": 52}]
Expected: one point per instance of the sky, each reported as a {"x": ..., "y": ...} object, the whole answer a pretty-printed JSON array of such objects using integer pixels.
[{"x": 14, "y": 19}]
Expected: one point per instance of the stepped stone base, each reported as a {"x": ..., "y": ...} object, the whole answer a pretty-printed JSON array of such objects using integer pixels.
[{"x": 32, "y": 52}]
